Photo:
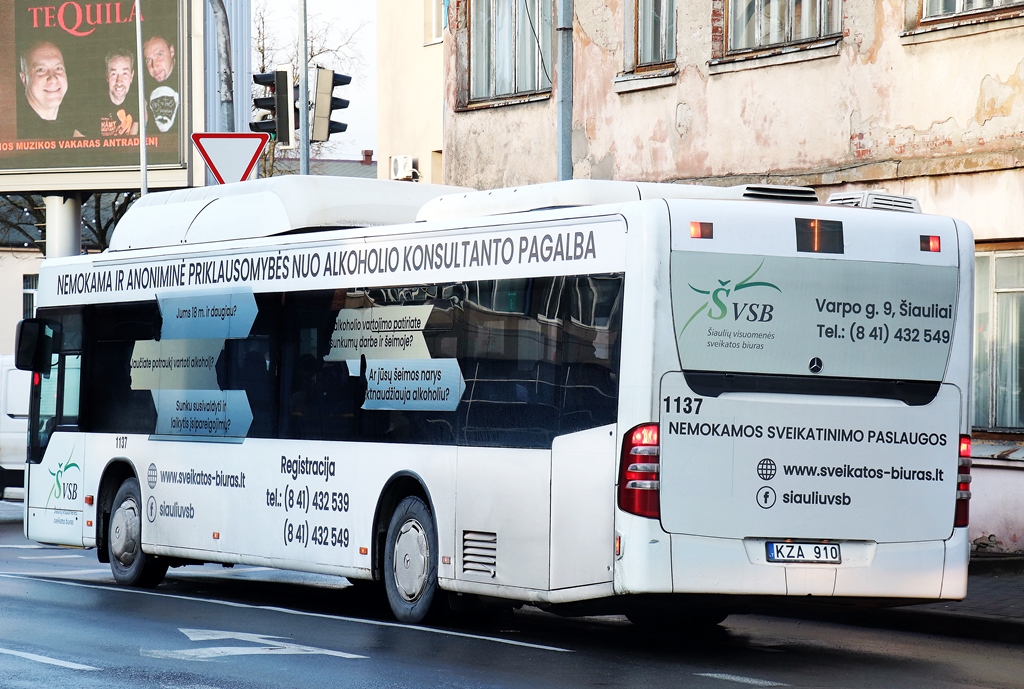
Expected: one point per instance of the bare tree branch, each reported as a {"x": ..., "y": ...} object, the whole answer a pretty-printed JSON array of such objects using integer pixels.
[{"x": 329, "y": 47}]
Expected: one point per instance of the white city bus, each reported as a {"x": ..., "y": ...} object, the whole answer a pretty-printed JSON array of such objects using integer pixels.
[{"x": 586, "y": 396}]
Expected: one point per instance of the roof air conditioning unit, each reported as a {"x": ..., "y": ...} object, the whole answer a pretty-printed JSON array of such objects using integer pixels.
[
  {"x": 876, "y": 199},
  {"x": 402, "y": 167}
]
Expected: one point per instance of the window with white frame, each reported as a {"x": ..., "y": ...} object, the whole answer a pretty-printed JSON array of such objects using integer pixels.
[
  {"x": 433, "y": 20},
  {"x": 942, "y": 8},
  {"x": 999, "y": 341},
  {"x": 655, "y": 32},
  {"x": 757, "y": 24},
  {"x": 29, "y": 288},
  {"x": 510, "y": 47}
]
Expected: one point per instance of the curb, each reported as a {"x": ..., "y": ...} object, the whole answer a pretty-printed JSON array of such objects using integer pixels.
[
  {"x": 996, "y": 564},
  {"x": 953, "y": 624}
]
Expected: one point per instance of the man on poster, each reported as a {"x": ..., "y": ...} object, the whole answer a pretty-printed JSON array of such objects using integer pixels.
[
  {"x": 163, "y": 99},
  {"x": 117, "y": 114},
  {"x": 46, "y": 83}
]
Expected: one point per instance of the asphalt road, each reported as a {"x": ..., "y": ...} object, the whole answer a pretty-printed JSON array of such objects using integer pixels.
[{"x": 63, "y": 623}]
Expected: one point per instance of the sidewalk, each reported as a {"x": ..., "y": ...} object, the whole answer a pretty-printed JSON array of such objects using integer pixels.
[{"x": 993, "y": 609}]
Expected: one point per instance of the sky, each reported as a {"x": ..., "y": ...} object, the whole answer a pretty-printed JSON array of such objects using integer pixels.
[{"x": 361, "y": 114}]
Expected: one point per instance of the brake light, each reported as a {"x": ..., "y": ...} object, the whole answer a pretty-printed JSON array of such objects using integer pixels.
[
  {"x": 962, "y": 514},
  {"x": 702, "y": 230},
  {"x": 639, "y": 485},
  {"x": 931, "y": 243}
]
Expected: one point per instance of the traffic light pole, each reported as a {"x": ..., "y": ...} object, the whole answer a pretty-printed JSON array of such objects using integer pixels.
[{"x": 304, "y": 98}]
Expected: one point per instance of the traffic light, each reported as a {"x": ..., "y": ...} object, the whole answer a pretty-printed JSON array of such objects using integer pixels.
[
  {"x": 324, "y": 103},
  {"x": 281, "y": 105}
]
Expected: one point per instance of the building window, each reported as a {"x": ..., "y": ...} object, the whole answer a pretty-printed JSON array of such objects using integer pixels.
[
  {"x": 29, "y": 287},
  {"x": 510, "y": 47},
  {"x": 942, "y": 8},
  {"x": 999, "y": 341},
  {"x": 755, "y": 24},
  {"x": 433, "y": 20},
  {"x": 656, "y": 32}
]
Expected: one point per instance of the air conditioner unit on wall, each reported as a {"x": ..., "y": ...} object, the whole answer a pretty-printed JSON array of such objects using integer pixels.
[{"x": 402, "y": 168}]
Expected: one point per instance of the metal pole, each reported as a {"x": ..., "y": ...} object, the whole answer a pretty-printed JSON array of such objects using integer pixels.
[
  {"x": 304, "y": 98},
  {"x": 227, "y": 86},
  {"x": 140, "y": 70},
  {"x": 564, "y": 93}
]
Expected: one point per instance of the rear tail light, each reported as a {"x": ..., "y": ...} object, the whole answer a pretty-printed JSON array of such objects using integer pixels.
[
  {"x": 931, "y": 243},
  {"x": 702, "y": 230},
  {"x": 962, "y": 515},
  {"x": 639, "y": 485}
]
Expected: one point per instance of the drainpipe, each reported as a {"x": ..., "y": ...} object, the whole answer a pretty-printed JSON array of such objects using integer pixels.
[{"x": 563, "y": 96}]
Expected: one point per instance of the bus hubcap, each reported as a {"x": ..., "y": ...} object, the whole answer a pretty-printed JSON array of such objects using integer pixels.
[
  {"x": 412, "y": 558},
  {"x": 125, "y": 525}
]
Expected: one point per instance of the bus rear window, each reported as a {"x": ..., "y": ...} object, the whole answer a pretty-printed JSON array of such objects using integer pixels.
[{"x": 812, "y": 316}]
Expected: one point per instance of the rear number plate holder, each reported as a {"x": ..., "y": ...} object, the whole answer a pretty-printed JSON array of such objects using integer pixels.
[{"x": 816, "y": 553}]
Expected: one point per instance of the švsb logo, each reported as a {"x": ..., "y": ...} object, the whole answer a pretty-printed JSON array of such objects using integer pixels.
[
  {"x": 723, "y": 301},
  {"x": 62, "y": 489}
]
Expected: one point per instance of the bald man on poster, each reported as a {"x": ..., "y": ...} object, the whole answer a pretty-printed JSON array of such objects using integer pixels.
[
  {"x": 46, "y": 83},
  {"x": 163, "y": 97}
]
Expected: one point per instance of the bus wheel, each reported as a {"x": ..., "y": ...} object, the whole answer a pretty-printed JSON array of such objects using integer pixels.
[
  {"x": 410, "y": 561},
  {"x": 131, "y": 566}
]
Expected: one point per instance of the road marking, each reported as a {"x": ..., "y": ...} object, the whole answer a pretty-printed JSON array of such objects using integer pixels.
[
  {"x": 287, "y": 611},
  {"x": 96, "y": 572},
  {"x": 268, "y": 645},
  {"x": 739, "y": 679},
  {"x": 48, "y": 661},
  {"x": 26, "y": 547},
  {"x": 48, "y": 557}
]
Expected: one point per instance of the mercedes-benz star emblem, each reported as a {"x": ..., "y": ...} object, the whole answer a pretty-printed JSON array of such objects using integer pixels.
[{"x": 815, "y": 365}]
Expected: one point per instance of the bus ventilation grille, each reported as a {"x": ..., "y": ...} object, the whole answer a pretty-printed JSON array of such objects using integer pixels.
[
  {"x": 480, "y": 553},
  {"x": 778, "y": 192},
  {"x": 877, "y": 200}
]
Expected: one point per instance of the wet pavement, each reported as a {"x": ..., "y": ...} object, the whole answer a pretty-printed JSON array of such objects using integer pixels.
[{"x": 993, "y": 609}]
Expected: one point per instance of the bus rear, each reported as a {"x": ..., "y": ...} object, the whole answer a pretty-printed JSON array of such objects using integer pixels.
[{"x": 811, "y": 435}]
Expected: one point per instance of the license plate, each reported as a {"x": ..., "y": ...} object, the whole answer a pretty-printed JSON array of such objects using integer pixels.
[{"x": 825, "y": 553}]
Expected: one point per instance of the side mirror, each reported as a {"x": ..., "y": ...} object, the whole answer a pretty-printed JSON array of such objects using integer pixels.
[{"x": 37, "y": 339}]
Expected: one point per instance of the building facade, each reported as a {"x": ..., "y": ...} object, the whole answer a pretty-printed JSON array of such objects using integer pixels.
[
  {"x": 19, "y": 278},
  {"x": 409, "y": 83},
  {"x": 916, "y": 97}
]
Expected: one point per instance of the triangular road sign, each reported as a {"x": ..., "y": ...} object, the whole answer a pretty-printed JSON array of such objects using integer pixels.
[{"x": 231, "y": 156}]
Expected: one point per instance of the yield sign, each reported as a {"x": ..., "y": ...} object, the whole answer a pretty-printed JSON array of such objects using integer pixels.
[{"x": 231, "y": 156}]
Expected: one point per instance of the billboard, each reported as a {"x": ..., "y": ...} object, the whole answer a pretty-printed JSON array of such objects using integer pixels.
[{"x": 69, "y": 87}]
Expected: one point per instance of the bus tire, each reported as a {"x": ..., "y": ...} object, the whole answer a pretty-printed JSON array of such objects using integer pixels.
[
  {"x": 129, "y": 564},
  {"x": 410, "y": 561}
]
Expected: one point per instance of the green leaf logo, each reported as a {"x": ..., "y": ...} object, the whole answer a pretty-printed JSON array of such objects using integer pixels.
[
  {"x": 57, "y": 491},
  {"x": 716, "y": 303}
]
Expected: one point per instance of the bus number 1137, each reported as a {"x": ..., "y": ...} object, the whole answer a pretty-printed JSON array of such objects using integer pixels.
[{"x": 683, "y": 405}]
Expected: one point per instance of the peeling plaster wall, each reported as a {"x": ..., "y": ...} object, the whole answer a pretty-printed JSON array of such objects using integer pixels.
[
  {"x": 877, "y": 108},
  {"x": 502, "y": 147},
  {"x": 997, "y": 521}
]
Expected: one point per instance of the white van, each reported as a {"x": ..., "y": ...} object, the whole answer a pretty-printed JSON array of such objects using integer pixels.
[{"x": 14, "y": 393}]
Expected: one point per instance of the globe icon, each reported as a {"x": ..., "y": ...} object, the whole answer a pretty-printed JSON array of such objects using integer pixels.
[{"x": 766, "y": 469}]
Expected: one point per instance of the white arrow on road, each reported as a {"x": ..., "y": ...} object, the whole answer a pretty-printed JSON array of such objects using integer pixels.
[{"x": 266, "y": 645}]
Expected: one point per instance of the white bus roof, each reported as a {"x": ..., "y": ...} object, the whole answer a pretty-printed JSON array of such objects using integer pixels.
[
  {"x": 267, "y": 207},
  {"x": 592, "y": 192}
]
